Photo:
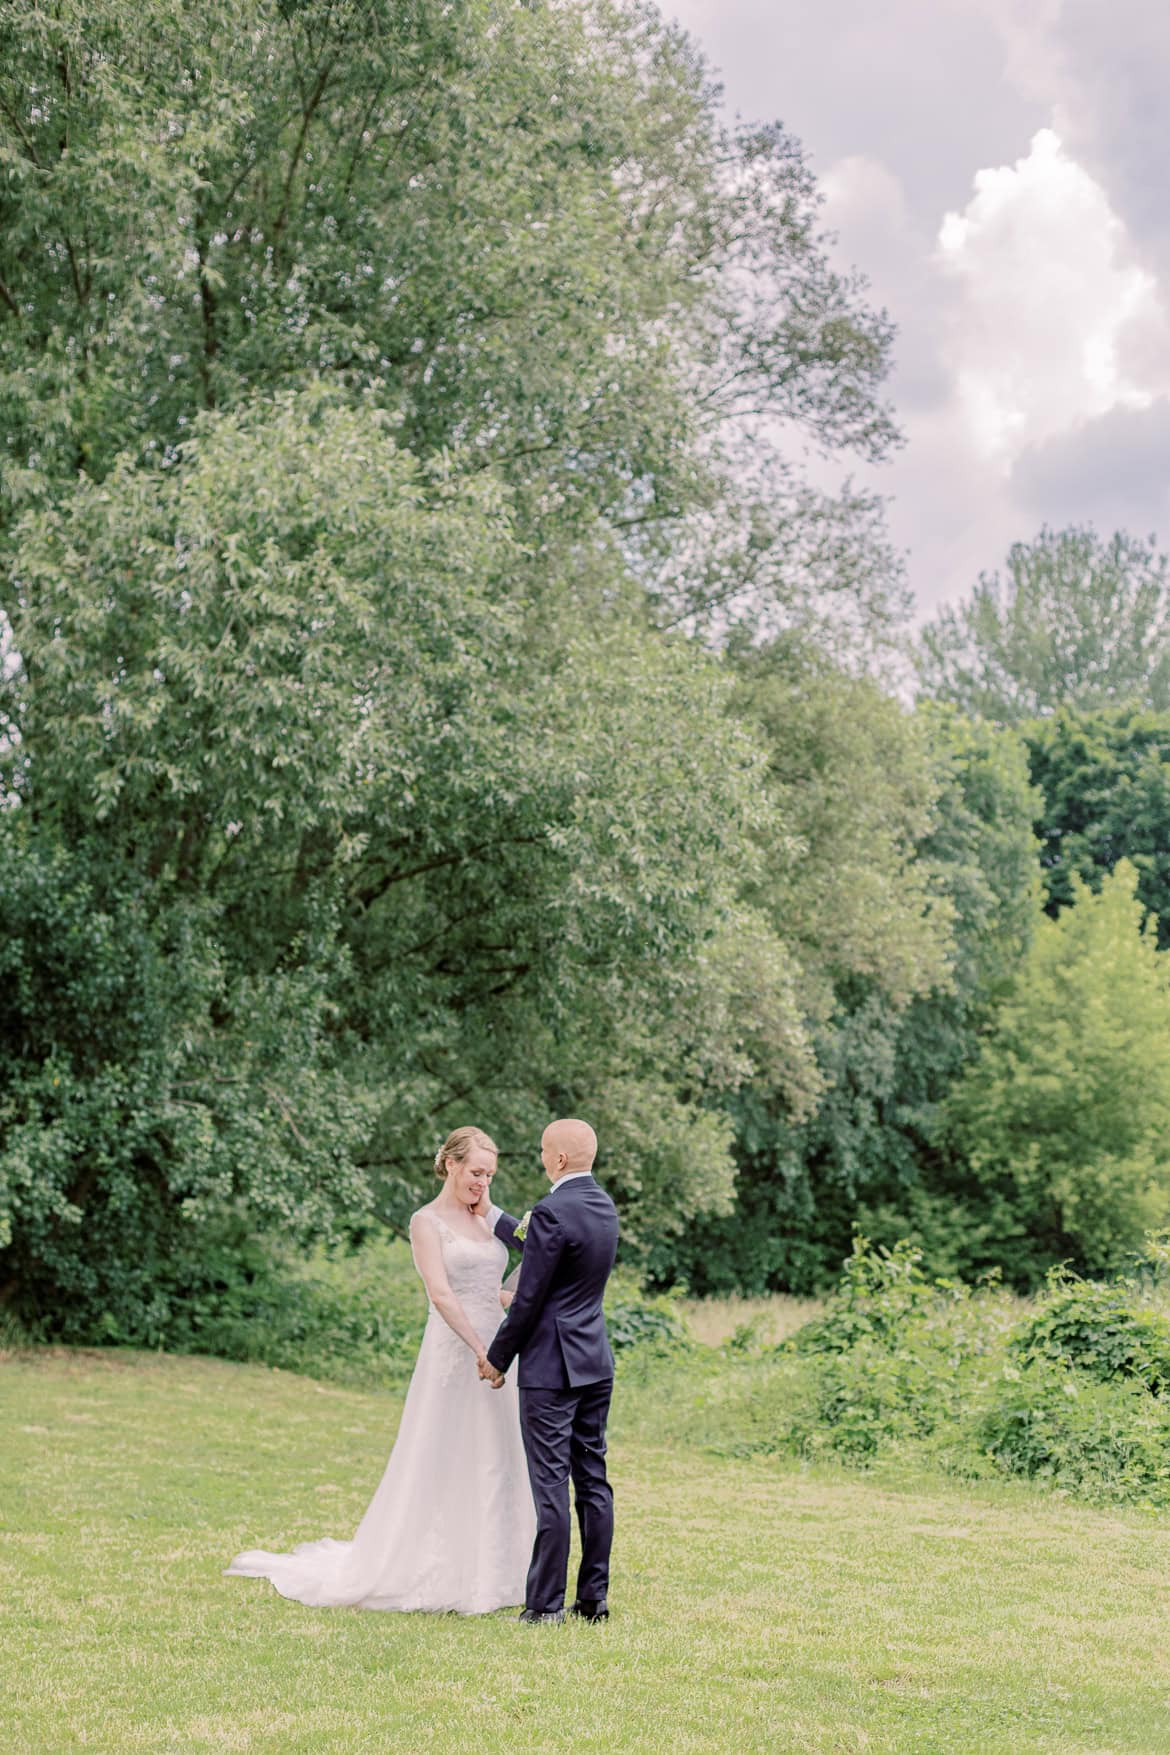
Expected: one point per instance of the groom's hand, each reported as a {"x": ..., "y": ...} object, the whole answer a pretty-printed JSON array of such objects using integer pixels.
[{"x": 490, "y": 1375}]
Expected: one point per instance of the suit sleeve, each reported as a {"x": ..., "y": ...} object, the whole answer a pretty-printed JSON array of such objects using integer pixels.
[
  {"x": 545, "y": 1244},
  {"x": 505, "y": 1229}
]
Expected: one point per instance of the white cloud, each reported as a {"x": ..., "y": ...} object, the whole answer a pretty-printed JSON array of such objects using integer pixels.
[
  {"x": 1046, "y": 290},
  {"x": 1032, "y": 361}
]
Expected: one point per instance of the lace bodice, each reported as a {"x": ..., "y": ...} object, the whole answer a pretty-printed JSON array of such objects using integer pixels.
[{"x": 475, "y": 1270}]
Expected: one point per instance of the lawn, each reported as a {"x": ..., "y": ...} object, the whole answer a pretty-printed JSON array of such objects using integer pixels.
[{"x": 757, "y": 1607}]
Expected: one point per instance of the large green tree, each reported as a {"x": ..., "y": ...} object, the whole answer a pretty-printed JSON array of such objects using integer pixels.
[
  {"x": 374, "y": 383},
  {"x": 524, "y": 227},
  {"x": 909, "y": 911},
  {"x": 1063, "y": 1121},
  {"x": 271, "y": 702},
  {"x": 1104, "y": 782},
  {"x": 1075, "y": 621}
]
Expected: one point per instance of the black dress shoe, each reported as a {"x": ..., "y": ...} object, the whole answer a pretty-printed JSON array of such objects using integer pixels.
[
  {"x": 586, "y": 1609},
  {"x": 537, "y": 1617}
]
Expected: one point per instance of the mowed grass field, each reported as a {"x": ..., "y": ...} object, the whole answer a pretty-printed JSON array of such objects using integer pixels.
[{"x": 756, "y": 1607}]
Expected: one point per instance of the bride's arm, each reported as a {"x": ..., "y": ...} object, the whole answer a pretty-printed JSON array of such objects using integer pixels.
[{"x": 428, "y": 1259}]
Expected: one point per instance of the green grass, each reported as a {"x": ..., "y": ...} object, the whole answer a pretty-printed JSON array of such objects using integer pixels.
[{"x": 757, "y": 1607}]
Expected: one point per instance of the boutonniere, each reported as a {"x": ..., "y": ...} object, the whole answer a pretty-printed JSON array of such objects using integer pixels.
[{"x": 521, "y": 1231}]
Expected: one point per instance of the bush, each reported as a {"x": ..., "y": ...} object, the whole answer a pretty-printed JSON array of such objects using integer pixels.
[
  {"x": 1073, "y": 1395},
  {"x": 352, "y": 1317},
  {"x": 895, "y": 1358},
  {"x": 1099, "y": 1328},
  {"x": 144, "y": 1087},
  {"x": 1102, "y": 1441},
  {"x": 1083, "y": 1400},
  {"x": 648, "y": 1321},
  {"x": 880, "y": 1289}
]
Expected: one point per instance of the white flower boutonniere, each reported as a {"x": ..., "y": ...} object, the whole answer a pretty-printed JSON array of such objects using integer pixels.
[{"x": 521, "y": 1231}]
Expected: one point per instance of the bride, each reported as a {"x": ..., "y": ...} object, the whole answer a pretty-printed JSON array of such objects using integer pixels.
[{"x": 452, "y": 1523}]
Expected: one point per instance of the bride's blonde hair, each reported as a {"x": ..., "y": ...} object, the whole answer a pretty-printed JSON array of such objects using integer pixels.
[{"x": 459, "y": 1145}]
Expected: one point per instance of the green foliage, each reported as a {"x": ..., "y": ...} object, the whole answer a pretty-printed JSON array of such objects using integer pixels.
[
  {"x": 873, "y": 1151},
  {"x": 1104, "y": 782},
  {"x": 650, "y": 1326},
  {"x": 893, "y": 1360},
  {"x": 375, "y": 382},
  {"x": 524, "y": 229},
  {"x": 880, "y": 1290},
  {"x": 1107, "y": 1442},
  {"x": 349, "y": 1317},
  {"x": 905, "y": 1371},
  {"x": 854, "y": 785},
  {"x": 1063, "y": 1120},
  {"x": 1100, "y": 1328},
  {"x": 1083, "y": 1399},
  {"x": 1077, "y": 622},
  {"x": 131, "y": 1108},
  {"x": 897, "y": 1367},
  {"x": 454, "y": 880}
]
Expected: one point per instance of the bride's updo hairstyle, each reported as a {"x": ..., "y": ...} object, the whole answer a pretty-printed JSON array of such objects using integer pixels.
[{"x": 460, "y": 1145}]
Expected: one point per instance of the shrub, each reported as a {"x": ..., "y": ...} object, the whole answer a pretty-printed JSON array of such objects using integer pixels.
[
  {"x": 1083, "y": 1400},
  {"x": 351, "y": 1317},
  {"x": 894, "y": 1358},
  {"x": 651, "y": 1323},
  {"x": 1103, "y": 1441},
  {"x": 1100, "y": 1329},
  {"x": 880, "y": 1289}
]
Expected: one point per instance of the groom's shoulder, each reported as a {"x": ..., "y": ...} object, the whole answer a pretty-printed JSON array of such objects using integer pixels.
[{"x": 592, "y": 1199}]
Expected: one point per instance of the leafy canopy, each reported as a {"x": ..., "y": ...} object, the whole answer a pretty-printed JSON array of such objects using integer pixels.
[{"x": 1077, "y": 621}]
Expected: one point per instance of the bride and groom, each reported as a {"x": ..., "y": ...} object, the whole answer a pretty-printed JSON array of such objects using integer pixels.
[{"x": 472, "y": 1513}]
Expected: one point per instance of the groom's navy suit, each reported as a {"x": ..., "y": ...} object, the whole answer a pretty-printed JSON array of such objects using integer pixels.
[{"x": 556, "y": 1326}]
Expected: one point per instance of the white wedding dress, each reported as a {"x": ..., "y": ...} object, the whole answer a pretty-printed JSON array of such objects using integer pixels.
[{"x": 452, "y": 1523}]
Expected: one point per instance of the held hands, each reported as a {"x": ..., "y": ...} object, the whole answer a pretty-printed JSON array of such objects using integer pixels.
[{"x": 489, "y": 1373}]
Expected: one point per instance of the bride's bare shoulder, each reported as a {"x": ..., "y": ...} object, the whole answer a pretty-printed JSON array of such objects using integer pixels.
[{"x": 424, "y": 1216}]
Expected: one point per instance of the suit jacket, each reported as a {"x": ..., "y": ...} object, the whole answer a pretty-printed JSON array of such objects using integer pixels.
[{"x": 556, "y": 1324}]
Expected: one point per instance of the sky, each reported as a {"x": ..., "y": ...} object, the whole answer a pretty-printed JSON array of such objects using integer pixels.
[{"x": 1000, "y": 172}]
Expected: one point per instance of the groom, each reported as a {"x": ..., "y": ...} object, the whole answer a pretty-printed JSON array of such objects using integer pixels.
[{"x": 556, "y": 1325}]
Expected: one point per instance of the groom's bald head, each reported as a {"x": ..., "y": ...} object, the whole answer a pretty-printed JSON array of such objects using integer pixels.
[{"x": 568, "y": 1146}]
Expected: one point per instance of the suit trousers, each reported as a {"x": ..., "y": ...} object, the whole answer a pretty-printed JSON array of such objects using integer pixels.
[{"x": 564, "y": 1437}]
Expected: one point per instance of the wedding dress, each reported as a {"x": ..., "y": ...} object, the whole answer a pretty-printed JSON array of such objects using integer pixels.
[{"x": 452, "y": 1523}]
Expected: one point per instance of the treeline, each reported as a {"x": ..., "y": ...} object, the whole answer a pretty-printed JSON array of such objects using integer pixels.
[{"x": 431, "y": 690}]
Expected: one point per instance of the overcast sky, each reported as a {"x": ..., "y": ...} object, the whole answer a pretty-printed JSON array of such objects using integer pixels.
[{"x": 1000, "y": 170}]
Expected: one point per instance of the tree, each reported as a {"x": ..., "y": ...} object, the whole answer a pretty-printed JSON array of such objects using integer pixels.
[
  {"x": 1104, "y": 780},
  {"x": 523, "y": 228},
  {"x": 875, "y": 1153},
  {"x": 372, "y": 378},
  {"x": 276, "y": 716},
  {"x": 1077, "y": 622},
  {"x": 1063, "y": 1121},
  {"x": 884, "y": 814}
]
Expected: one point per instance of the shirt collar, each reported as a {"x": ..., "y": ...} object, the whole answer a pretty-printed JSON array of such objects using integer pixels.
[{"x": 573, "y": 1176}]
